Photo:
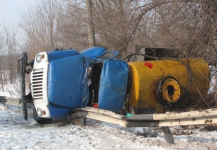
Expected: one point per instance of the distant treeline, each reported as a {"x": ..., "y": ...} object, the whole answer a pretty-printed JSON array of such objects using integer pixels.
[{"x": 188, "y": 26}]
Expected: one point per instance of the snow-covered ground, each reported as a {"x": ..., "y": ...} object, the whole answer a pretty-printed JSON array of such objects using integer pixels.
[
  {"x": 11, "y": 90},
  {"x": 15, "y": 133}
]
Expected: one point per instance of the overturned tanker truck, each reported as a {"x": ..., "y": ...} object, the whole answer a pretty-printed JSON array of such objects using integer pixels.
[{"x": 95, "y": 84}]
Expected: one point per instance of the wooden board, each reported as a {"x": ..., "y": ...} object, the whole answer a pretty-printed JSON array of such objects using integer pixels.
[{"x": 206, "y": 117}]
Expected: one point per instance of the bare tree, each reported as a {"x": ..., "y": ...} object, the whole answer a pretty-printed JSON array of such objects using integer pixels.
[
  {"x": 1, "y": 62},
  {"x": 73, "y": 28},
  {"x": 11, "y": 50},
  {"x": 91, "y": 34},
  {"x": 40, "y": 27},
  {"x": 189, "y": 26}
]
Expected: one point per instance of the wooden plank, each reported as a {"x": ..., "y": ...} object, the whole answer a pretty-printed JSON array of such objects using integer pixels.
[
  {"x": 163, "y": 123},
  {"x": 175, "y": 115},
  {"x": 12, "y": 101},
  {"x": 100, "y": 111},
  {"x": 114, "y": 119},
  {"x": 99, "y": 117}
]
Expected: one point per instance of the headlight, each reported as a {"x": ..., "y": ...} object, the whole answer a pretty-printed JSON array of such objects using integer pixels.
[
  {"x": 39, "y": 112},
  {"x": 39, "y": 58}
]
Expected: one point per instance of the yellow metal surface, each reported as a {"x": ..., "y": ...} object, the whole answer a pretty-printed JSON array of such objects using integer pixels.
[
  {"x": 170, "y": 90},
  {"x": 145, "y": 77}
]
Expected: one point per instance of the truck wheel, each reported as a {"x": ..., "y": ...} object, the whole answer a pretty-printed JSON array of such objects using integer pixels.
[{"x": 40, "y": 120}]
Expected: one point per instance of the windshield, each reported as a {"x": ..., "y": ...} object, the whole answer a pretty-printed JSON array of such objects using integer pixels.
[{"x": 108, "y": 55}]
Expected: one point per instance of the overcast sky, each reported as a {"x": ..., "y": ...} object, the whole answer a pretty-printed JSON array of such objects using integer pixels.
[{"x": 11, "y": 10}]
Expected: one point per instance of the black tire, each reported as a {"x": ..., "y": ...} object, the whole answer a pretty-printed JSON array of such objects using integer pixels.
[{"x": 40, "y": 120}]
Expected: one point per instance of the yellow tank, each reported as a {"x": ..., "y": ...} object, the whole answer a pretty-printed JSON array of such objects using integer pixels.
[{"x": 168, "y": 79}]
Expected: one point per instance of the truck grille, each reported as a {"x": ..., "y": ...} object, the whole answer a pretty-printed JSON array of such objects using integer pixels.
[{"x": 37, "y": 84}]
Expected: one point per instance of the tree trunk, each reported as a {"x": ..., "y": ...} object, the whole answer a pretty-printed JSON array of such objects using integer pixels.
[{"x": 91, "y": 34}]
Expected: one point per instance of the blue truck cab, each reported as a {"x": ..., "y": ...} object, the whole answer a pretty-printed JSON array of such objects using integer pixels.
[{"x": 64, "y": 80}]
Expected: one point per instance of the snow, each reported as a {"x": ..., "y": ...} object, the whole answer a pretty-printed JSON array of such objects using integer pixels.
[
  {"x": 16, "y": 133},
  {"x": 10, "y": 90}
]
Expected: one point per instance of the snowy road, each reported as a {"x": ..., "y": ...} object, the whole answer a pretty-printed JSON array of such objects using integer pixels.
[{"x": 15, "y": 133}]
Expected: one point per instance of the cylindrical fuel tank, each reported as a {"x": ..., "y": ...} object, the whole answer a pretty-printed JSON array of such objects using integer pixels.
[{"x": 145, "y": 76}]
